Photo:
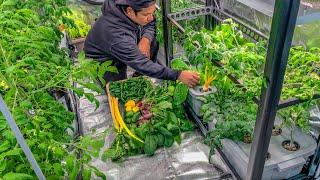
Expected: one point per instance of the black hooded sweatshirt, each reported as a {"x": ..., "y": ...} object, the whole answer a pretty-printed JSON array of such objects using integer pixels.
[{"x": 115, "y": 37}]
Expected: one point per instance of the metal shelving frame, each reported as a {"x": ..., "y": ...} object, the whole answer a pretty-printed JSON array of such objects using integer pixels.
[{"x": 283, "y": 24}]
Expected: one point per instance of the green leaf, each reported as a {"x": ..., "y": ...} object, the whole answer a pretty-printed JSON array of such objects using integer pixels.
[
  {"x": 91, "y": 98},
  {"x": 98, "y": 173},
  {"x": 108, "y": 154},
  {"x": 179, "y": 64},
  {"x": 3, "y": 165},
  {"x": 164, "y": 105},
  {"x": 160, "y": 139},
  {"x": 112, "y": 69},
  {"x": 106, "y": 63},
  {"x": 70, "y": 162},
  {"x": 97, "y": 144},
  {"x": 21, "y": 167},
  {"x": 173, "y": 118},
  {"x": 58, "y": 169},
  {"x": 4, "y": 146},
  {"x": 104, "y": 67},
  {"x": 164, "y": 131},
  {"x": 78, "y": 91},
  {"x": 13, "y": 152},
  {"x": 75, "y": 171},
  {"x": 180, "y": 94},
  {"x": 186, "y": 125},
  {"x": 17, "y": 176},
  {"x": 92, "y": 86},
  {"x": 178, "y": 139},
  {"x": 86, "y": 174},
  {"x": 168, "y": 141},
  {"x": 174, "y": 129},
  {"x": 150, "y": 145},
  {"x": 9, "y": 2}
]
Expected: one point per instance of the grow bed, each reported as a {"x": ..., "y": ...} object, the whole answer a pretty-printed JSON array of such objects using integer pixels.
[{"x": 281, "y": 163}]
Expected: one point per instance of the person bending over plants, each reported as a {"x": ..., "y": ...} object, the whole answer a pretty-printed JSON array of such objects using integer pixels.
[{"x": 125, "y": 34}]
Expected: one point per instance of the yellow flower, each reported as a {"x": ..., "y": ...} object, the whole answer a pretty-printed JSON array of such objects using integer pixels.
[
  {"x": 135, "y": 109},
  {"x": 4, "y": 85},
  {"x": 128, "y": 108},
  {"x": 130, "y": 103}
]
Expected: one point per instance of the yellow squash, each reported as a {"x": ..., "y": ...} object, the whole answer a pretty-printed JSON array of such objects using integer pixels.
[
  {"x": 121, "y": 122},
  {"x": 111, "y": 105}
]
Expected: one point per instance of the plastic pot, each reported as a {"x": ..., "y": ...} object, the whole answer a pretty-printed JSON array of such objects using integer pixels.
[
  {"x": 196, "y": 97},
  {"x": 282, "y": 163}
]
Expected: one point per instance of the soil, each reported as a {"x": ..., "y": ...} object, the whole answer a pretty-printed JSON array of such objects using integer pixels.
[
  {"x": 286, "y": 144},
  {"x": 276, "y": 131},
  {"x": 247, "y": 139},
  {"x": 201, "y": 90}
]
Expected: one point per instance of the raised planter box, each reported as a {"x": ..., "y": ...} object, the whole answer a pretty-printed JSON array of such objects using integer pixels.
[
  {"x": 195, "y": 98},
  {"x": 282, "y": 163}
]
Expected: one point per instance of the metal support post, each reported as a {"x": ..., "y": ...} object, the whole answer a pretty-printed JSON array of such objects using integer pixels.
[
  {"x": 283, "y": 24},
  {"x": 167, "y": 31},
  {"x": 209, "y": 21},
  {"x": 22, "y": 142}
]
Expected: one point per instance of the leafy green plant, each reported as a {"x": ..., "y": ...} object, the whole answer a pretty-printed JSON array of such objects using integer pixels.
[
  {"x": 209, "y": 76},
  {"x": 234, "y": 114},
  {"x": 226, "y": 44},
  {"x": 302, "y": 78},
  {"x": 176, "y": 6},
  {"x": 295, "y": 117},
  {"x": 245, "y": 60},
  {"x": 32, "y": 69},
  {"x": 81, "y": 29},
  {"x": 232, "y": 108}
]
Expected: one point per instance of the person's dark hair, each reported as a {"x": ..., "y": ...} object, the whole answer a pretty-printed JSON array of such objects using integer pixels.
[
  {"x": 135, "y": 9},
  {"x": 124, "y": 8}
]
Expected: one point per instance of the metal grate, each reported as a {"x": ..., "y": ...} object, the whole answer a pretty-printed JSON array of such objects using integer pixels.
[{"x": 191, "y": 13}]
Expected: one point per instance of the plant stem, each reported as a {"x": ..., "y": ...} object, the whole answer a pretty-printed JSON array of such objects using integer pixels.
[{"x": 291, "y": 137}]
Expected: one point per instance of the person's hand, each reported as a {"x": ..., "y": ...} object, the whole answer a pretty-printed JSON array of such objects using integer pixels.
[
  {"x": 144, "y": 46},
  {"x": 189, "y": 78}
]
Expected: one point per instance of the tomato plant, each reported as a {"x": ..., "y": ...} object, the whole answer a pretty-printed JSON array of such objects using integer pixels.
[
  {"x": 232, "y": 107},
  {"x": 32, "y": 67}
]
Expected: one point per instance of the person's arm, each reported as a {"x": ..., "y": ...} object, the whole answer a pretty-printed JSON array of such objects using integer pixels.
[
  {"x": 149, "y": 30},
  {"x": 145, "y": 46},
  {"x": 148, "y": 34},
  {"x": 128, "y": 52}
]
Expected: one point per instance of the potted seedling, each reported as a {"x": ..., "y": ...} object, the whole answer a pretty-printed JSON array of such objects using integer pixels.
[
  {"x": 196, "y": 96},
  {"x": 293, "y": 118}
]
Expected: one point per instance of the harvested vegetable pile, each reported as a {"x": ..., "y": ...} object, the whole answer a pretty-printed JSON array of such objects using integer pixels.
[
  {"x": 133, "y": 88},
  {"x": 154, "y": 117}
]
